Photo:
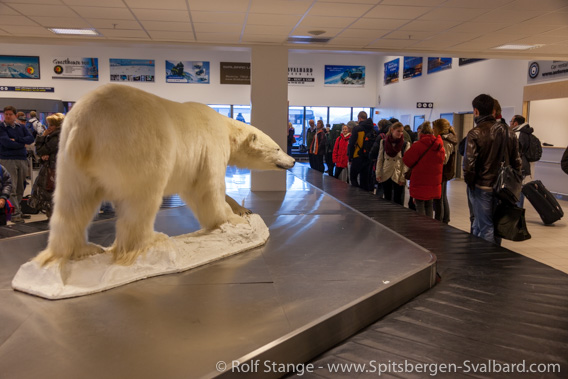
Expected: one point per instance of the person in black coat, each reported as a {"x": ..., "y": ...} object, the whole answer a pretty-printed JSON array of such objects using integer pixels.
[
  {"x": 5, "y": 191},
  {"x": 564, "y": 161}
]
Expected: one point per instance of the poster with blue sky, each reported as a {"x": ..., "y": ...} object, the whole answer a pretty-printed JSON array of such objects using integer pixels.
[
  {"x": 187, "y": 72},
  {"x": 412, "y": 67},
  {"x": 436, "y": 64},
  {"x": 20, "y": 67},
  {"x": 132, "y": 70},
  {"x": 344, "y": 76},
  {"x": 392, "y": 69}
]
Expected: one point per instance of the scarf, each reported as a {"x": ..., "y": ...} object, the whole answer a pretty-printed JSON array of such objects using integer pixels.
[
  {"x": 393, "y": 146},
  {"x": 315, "y": 142},
  {"x": 50, "y": 130}
]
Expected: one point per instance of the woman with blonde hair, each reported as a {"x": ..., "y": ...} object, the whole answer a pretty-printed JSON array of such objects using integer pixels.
[
  {"x": 443, "y": 129},
  {"x": 47, "y": 146},
  {"x": 390, "y": 168},
  {"x": 426, "y": 158}
]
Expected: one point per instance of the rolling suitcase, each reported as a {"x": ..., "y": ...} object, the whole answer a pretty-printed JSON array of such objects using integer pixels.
[{"x": 543, "y": 201}]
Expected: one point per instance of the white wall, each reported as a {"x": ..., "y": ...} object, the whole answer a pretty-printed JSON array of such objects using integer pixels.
[
  {"x": 453, "y": 90},
  {"x": 72, "y": 90},
  {"x": 319, "y": 95},
  {"x": 549, "y": 118}
]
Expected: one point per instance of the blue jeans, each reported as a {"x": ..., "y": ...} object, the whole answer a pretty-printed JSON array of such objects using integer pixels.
[{"x": 483, "y": 204}]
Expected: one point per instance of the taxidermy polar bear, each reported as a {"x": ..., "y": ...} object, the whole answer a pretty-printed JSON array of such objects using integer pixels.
[{"x": 122, "y": 144}]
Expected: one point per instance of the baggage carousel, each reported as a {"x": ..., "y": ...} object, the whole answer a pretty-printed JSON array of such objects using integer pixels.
[{"x": 326, "y": 272}]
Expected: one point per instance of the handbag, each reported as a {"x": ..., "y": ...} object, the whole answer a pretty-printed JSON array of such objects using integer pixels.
[
  {"x": 509, "y": 222},
  {"x": 509, "y": 181},
  {"x": 49, "y": 179}
]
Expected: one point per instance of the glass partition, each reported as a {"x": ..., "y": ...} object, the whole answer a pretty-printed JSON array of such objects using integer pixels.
[{"x": 241, "y": 113}]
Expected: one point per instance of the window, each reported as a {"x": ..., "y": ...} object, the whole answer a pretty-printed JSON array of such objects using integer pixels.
[
  {"x": 317, "y": 113},
  {"x": 225, "y": 110},
  {"x": 357, "y": 110},
  {"x": 241, "y": 113},
  {"x": 339, "y": 115},
  {"x": 418, "y": 120}
]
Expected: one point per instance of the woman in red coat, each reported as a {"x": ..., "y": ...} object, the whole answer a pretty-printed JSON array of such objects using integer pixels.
[
  {"x": 340, "y": 157},
  {"x": 426, "y": 158}
]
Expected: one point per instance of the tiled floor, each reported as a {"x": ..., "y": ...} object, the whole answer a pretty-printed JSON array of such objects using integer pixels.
[{"x": 549, "y": 244}]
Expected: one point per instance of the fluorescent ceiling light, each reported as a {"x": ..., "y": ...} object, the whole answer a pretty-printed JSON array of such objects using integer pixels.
[
  {"x": 518, "y": 47},
  {"x": 77, "y": 32}
]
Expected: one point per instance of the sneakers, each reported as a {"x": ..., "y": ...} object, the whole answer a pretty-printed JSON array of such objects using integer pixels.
[{"x": 17, "y": 220}]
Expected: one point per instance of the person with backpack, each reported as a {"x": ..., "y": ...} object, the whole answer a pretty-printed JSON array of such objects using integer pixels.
[
  {"x": 359, "y": 147},
  {"x": 5, "y": 191},
  {"x": 530, "y": 149},
  {"x": 34, "y": 126},
  {"x": 340, "y": 158},
  {"x": 390, "y": 168},
  {"x": 443, "y": 129}
]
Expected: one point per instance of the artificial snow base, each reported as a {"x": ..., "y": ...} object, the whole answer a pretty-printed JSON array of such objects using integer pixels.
[{"x": 98, "y": 273}]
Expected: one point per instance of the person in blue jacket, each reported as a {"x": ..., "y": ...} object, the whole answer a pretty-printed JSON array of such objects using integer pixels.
[{"x": 13, "y": 156}]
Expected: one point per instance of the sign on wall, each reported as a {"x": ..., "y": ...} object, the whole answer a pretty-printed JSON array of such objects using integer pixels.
[
  {"x": 187, "y": 72},
  {"x": 391, "y": 71},
  {"x": 412, "y": 67},
  {"x": 341, "y": 76},
  {"x": 301, "y": 76},
  {"x": 132, "y": 70},
  {"x": 436, "y": 64},
  {"x": 235, "y": 72},
  {"x": 75, "y": 68},
  {"x": 26, "y": 89},
  {"x": 541, "y": 71},
  {"x": 19, "y": 67},
  {"x": 464, "y": 61}
]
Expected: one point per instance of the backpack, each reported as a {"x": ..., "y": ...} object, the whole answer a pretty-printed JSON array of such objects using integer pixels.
[
  {"x": 368, "y": 142},
  {"x": 449, "y": 169},
  {"x": 533, "y": 151}
]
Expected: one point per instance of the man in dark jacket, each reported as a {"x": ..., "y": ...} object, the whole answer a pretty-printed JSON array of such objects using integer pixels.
[
  {"x": 523, "y": 131},
  {"x": 482, "y": 162},
  {"x": 13, "y": 156},
  {"x": 359, "y": 164}
]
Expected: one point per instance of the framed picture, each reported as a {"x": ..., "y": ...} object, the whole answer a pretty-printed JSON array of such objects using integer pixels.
[{"x": 19, "y": 67}]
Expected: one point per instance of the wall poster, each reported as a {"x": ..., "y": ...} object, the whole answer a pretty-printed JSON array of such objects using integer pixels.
[
  {"x": 541, "y": 71},
  {"x": 19, "y": 67},
  {"x": 392, "y": 69},
  {"x": 187, "y": 72},
  {"x": 132, "y": 70},
  {"x": 301, "y": 76},
  {"x": 341, "y": 76},
  {"x": 436, "y": 64},
  {"x": 412, "y": 67},
  {"x": 235, "y": 72},
  {"x": 75, "y": 68}
]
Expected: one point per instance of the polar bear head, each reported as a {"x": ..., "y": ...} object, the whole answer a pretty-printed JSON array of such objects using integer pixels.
[{"x": 257, "y": 151}]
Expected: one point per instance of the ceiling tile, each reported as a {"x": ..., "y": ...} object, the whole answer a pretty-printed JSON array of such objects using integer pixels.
[
  {"x": 61, "y": 22},
  {"x": 339, "y": 10},
  {"x": 38, "y": 2},
  {"x": 164, "y": 25},
  {"x": 263, "y": 38},
  {"x": 378, "y": 23},
  {"x": 352, "y": 43},
  {"x": 44, "y": 10},
  {"x": 532, "y": 5},
  {"x": 542, "y": 39},
  {"x": 366, "y": 34},
  {"x": 373, "y": 2},
  {"x": 98, "y": 3},
  {"x": 432, "y": 26},
  {"x": 397, "y": 12},
  {"x": 161, "y": 15},
  {"x": 391, "y": 43},
  {"x": 453, "y": 14},
  {"x": 116, "y": 33},
  {"x": 171, "y": 36},
  {"x": 218, "y": 28},
  {"x": 477, "y": 4},
  {"x": 507, "y": 16},
  {"x": 16, "y": 20},
  {"x": 272, "y": 19},
  {"x": 7, "y": 11},
  {"x": 410, "y": 35},
  {"x": 217, "y": 37},
  {"x": 219, "y": 5},
  {"x": 527, "y": 29},
  {"x": 268, "y": 30},
  {"x": 455, "y": 37},
  {"x": 562, "y": 31},
  {"x": 160, "y": 4},
  {"x": 29, "y": 31},
  {"x": 280, "y": 6},
  {"x": 218, "y": 17},
  {"x": 493, "y": 40},
  {"x": 424, "y": 3},
  {"x": 96, "y": 12},
  {"x": 324, "y": 21},
  {"x": 559, "y": 18},
  {"x": 432, "y": 45},
  {"x": 114, "y": 24},
  {"x": 472, "y": 27}
]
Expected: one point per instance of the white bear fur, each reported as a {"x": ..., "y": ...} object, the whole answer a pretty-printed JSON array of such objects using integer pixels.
[{"x": 122, "y": 144}]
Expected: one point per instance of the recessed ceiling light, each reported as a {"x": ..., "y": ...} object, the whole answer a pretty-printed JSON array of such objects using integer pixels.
[
  {"x": 316, "y": 32},
  {"x": 77, "y": 32},
  {"x": 518, "y": 47}
]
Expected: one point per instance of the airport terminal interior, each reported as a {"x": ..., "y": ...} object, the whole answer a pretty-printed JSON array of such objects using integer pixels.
[{"x": 348, "y": 285}]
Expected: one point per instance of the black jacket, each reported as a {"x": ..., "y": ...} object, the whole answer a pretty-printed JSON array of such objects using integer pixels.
[
  {"x": 5, "y": 184},
  {"x": 524, "y": 131},
  {"x": 357, "y": 137},
  {"x": 48, "y": 145}
]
